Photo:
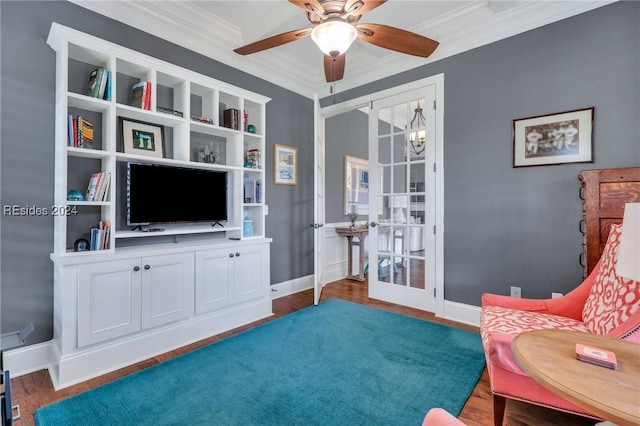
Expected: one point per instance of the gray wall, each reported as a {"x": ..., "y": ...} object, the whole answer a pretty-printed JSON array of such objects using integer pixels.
[
  {"x": 27, "y": 153},
  {"x": 506, "y": 226}
]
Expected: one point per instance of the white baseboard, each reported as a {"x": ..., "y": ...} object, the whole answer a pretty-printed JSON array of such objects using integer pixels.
[
  {"x": 296, "y": 285},
  {"x": 462, "y": 313},
  {"x": 28, "y": 359}
]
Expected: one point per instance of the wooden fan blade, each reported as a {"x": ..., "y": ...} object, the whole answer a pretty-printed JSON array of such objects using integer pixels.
[
  {"x": 368, "y": 6},
  {"x": 302, "y": 4},
  {"x": 274, "y": 41},
  {"x": 396, "y": 39},
  {"x": 334, "y": 68}
]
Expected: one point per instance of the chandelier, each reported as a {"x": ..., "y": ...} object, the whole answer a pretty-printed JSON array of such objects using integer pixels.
[{"x": 417, "y": 132}]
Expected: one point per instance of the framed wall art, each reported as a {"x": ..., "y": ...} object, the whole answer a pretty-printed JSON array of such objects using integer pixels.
[
  {"x": 285, "y": 159},
  {"x": 142, "y": 138},
  {"x": 356, "y": 184},
  {"x": 560, "y": 138}
]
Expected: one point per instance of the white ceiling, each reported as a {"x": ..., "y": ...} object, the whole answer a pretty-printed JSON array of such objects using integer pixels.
[{"x": 214, "y": 28}]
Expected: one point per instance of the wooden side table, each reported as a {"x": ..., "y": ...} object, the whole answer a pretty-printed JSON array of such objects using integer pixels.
[
  {"x": 359, "y": 234},
  {"x": 549, "y": 357}
]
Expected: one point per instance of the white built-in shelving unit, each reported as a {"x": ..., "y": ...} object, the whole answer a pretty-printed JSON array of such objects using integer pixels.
[
  {"x": 148, "y": 293},
  {"x": 173, "y": 87}
]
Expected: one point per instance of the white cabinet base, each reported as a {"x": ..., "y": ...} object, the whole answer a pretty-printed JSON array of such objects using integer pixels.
[
  {"x": 81, "y": 353},
  {"x": 78, "y": 367}
]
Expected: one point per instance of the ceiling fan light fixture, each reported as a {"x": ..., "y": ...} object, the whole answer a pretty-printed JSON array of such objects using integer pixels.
[{"x": 334, "y": 37}]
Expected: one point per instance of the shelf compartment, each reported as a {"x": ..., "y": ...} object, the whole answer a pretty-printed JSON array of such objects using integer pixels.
[
  {"x": 202, "y": 103},
  {"x": 254, "y": 117},
  {"x": 171, "y": 93}
]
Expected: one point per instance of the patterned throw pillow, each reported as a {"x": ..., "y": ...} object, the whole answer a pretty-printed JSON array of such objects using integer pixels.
[{"x": 612, "y": 299}]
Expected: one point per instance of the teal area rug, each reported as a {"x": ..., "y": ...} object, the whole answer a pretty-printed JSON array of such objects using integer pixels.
[{"x": 338, "y": 363}]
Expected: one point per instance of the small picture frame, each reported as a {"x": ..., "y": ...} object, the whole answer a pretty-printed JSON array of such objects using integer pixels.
[
  {"x": 142, "y": 138},
  {"x": 285, "y": 165},
  {"x": 560, "y": 138}
]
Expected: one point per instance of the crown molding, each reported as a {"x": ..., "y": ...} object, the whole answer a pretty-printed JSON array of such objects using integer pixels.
[{"x": 473, "y": 25}]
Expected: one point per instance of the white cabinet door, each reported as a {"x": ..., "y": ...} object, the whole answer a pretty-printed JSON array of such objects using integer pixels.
[
  {"x": 213, "y": 279},
  {"x": 250, "y": 273},
  {"x": 108, "y": 300},
  {"x": 167, "y": 288}
]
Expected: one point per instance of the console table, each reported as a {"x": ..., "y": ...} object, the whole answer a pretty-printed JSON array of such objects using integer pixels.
[
  {"x": 549, "y": 357},
  {"x": 359, "y": 234}
]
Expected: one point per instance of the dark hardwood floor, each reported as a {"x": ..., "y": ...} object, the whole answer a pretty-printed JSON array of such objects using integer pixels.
[{"x": 35, "y": 390}]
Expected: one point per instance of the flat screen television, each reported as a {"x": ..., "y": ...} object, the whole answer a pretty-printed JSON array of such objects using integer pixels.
[{"x": 167, "y": 194}]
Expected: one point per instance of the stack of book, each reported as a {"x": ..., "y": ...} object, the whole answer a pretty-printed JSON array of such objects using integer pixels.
[
  {"x": 596, "y": 356},
  {"x": 100, "y": 236},
  {"x": 141, "y": 95},
  {"x": 98, "y": 188},
  {"x": 231, "y": 118},
  {"x": 80, "y": 132},
  {"x": 100, "y": 84}
]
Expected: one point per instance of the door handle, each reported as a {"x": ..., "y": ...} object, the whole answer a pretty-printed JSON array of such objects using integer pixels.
[
  {"x": 316, "y": 225},
  {"x": 374, "y": 224}
]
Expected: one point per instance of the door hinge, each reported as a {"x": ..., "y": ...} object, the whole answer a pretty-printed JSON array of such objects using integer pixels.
[
  {"x": 434, "y": 230},
  {"x": 434, "y": 167},
  {"x": 434, "y": 104},
  {"x": 434, "y": 292},
  {"x": 371, "y": 106}
]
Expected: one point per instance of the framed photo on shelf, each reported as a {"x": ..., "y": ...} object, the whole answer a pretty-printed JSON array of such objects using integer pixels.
[
  {"x": 285, "y": 159},
  {"x": 560, "y": 138},
  {"x": 142, "y": 138},
  {"x": 356, "y": 184}
]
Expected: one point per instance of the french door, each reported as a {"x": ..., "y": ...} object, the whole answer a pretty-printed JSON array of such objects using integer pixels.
[{"x": 403, "y": 193}]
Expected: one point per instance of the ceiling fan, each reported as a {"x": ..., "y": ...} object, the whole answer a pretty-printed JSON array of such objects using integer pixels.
[{"x": 334, "y": 29}]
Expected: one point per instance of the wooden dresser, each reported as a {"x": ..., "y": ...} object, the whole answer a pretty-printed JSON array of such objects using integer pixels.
[{"x": 604, "y": 193}]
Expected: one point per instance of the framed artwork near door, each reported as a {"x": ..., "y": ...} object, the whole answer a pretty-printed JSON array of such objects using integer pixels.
[
  {"x": 356, "y": 184},
  {"x": 559, "y": 138},
  {"x": 285, "y": 166}
]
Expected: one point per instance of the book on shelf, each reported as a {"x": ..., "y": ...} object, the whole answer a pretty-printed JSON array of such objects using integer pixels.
[
  {"x": 83, "y": 129},
  {"x": 258, "y": 193},
  {"x": 100, "y": 84},
  {"x": 72, "y": 127},
  {"x": 166, "y": 110},
  {"x": 100, "y": 236},
  {"x": 98, "y": 188},
  {"x": 231, "y": 118},
  {"x": 202, "y": 119},
  {"x": 141, "y": 95},
  {"x": 596, "y": 356},
  {"x": 245, "y": 121}
]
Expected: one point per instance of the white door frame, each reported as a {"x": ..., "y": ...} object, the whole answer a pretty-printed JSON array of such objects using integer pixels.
[
  {"x": 318, "y": 202},
  {"x": 364, "y": 102}
]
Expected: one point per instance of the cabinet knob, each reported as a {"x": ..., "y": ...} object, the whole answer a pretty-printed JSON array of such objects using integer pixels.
[
  {"x": 230, "y": 254},
  {"x": 136, "y": 268},
  {"x": 237, "y": 254},
  {"x": 147, "y": 267}
]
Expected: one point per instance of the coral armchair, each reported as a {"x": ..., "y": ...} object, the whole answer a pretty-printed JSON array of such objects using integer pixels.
[{"x": 604, "y": 304}]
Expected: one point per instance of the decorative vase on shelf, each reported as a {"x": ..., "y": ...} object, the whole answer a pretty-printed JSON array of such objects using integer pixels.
[
  {"x": 352, "y": 214},
  {"x": 247, "y": 227}
]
